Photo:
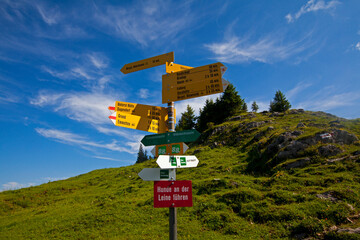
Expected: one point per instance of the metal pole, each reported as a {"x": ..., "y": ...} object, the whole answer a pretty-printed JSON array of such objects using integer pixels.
[{"x": 172, "y": 210}]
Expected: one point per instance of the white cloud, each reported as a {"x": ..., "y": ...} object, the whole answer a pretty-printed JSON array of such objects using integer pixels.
[
  {"x": 143, "y": 93},
  {"x": 80, "y": 106},
  {"x": 75, "y": 139},
  {"x": 107, "y": 158},
  {"x": 49, "y": 15},
  {"x": 325, "y": 100},
  {"x": 98, "y": 60},
  {"x": 291, "y": 94},
  {"x": 312, "y": 6},
  {"x": 195, "y": 103},
  {"x": 15, "y": 185},
  {"x": 267, "y": 49},
  {"x": 357, "y": 46},
  {"x": 146, "y": 22}
]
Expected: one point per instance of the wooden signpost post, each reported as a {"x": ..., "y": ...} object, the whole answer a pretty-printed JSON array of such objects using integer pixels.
[{"x": 180, "y": 83}]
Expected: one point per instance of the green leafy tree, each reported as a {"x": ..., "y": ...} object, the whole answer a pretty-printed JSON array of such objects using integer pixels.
[
  {"x": 254, "y": 107},
  {"x": 280, "y": 103},
  {"x": 142, "y": 155},
  {"x": 187, "y": 120}
]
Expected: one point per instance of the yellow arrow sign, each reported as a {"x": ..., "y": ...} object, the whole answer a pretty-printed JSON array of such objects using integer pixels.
[
  {"x": 148, "y": 63},
  {"x": 192, "y": 83},
  {"x": 173, "y": 67},
  {"x": 144, "y": 111},
  {"x": 139, "y": 123}
]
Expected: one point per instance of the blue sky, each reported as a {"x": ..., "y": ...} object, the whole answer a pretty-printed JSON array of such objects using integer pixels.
[{"x": 60, "y": 67}]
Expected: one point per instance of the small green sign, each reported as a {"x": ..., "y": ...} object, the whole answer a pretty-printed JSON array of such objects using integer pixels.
[
  {"x": 164, "y": 174},
  {"x": 173, "y": 161},
  {"x": 183, "y": 161},
  {"x": 162, "y": 150},
  {"x": 175, "y": 149}
]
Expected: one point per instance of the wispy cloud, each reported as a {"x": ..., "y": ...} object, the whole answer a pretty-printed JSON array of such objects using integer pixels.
[
  {"x": 325, "y": 100},
  {"x": 49, "y": 15},
  {"x": 292, "y": 93},
  {"x": 312, "y": 6},
  {"x": 80, "y": 106},
  {"x": 268, "y": 49},
  {"x": 143, "y": 93},
  {"x": 146, "y": 22},
  {"x": 15, "y": 185},
  {"x": 357, "y": 46},
  {"x": 75, "y": 139},
  {"x": 107, "y": 158}
]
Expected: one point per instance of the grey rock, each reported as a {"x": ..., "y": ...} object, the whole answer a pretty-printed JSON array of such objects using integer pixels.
[
  {"x": 296, "y": 111},
  {"x": 349, "y": 230},
  {"x": 251, "y": 115},
  {"x": 342, "y": 136},
  {"x": 251, "y": 125},
  {"x": 270, "y": 128},
  {"x": 327, "y": 196},
  {"x": 329, "y": 150},
  {"x": 236, "y": 118},
  {"x": 298, "y": 163},
  {"x": 218, "y": 130},
  {"x": 275, "y": 114},
  {"x": 300, "y": 125},
  {"x": 292, "y": 150}
]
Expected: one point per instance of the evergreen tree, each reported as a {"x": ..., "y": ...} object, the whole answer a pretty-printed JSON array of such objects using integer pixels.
[
  {"x": 230, "y": 103},
  {"x": 142, "y": 155},
  {"x": 254, "y": 107},
  {"x": 187, "y": 120},
  {"x": 280, "y": 103},
  {"x": 206, "y": 115}
]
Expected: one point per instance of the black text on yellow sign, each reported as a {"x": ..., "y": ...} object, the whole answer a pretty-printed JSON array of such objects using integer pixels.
[
  {"x": 148, "y": 63},
  {"x": 192, "y": 83},
  {"x": 142, "y": 110},
  {"x": 140, "y": 123}
]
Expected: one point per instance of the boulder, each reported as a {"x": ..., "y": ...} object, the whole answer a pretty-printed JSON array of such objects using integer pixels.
[
  {"x": 349, "y": 230},
  {"x": 236, "y": 118},
  {"x": 292, "y": 150},
  {"x": 329, "y": 150},
  {"x": 342, "y": 136},
  {"x": 327, "y": 196},
  {"x": 298, "y": 163},
  {"x": 300, "y": 125}
]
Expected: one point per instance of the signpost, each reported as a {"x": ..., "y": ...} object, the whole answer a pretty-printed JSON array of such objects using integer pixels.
[
  {"x": 148, "y": 63},
  {"x": 173, "y": 67},
  {"x": 171, "y": 137},
  {"x": 169, "y": 162},
  {"x": 180, "y": 83},
  {"x": 169, "y": 149},
  {"x": 157, "y": 174},
  {"x": 192, "y": 83},
  {"x": 171, "y": 194},
  {"x": 139, "y": 123}
]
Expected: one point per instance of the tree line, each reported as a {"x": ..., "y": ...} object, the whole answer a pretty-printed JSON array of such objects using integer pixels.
[{"x": 230, "y": 103}]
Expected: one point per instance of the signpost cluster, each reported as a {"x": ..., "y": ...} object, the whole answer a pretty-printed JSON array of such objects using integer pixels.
[{"x": 179, "y": 83}]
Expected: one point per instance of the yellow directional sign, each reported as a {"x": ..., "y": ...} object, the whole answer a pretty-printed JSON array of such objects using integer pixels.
[
  {"x": 192, "y": 83},
  {"x": 148, "y": 63},
  {"x": 144, "y": 111},
  {"x": 173, "y": 67},
  {"x": 139, "y": 123}
]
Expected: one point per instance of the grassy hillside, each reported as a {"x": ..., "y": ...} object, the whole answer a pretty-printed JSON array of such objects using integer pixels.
[{"x": 260, "y": 176}]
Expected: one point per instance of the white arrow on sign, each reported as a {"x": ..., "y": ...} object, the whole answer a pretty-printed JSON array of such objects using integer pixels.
[
  {"x": 157, "y": 174},
  {"x": 166, "y": 161},
  {"x": 225, "y": 83}
]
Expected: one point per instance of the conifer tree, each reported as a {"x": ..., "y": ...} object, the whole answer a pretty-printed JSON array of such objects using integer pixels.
[
  {"x": 254, "y": 107},
  {"x": 187, "y": 120},
  {"x": 142, "y": 156},
  {"x": 231, "y": 103},
  {"x": 206, "y": 115},
  {"x": 280, "y": 103}
]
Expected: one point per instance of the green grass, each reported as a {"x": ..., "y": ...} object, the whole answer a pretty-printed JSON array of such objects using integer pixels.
[{"x": 231, "y": 200}]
